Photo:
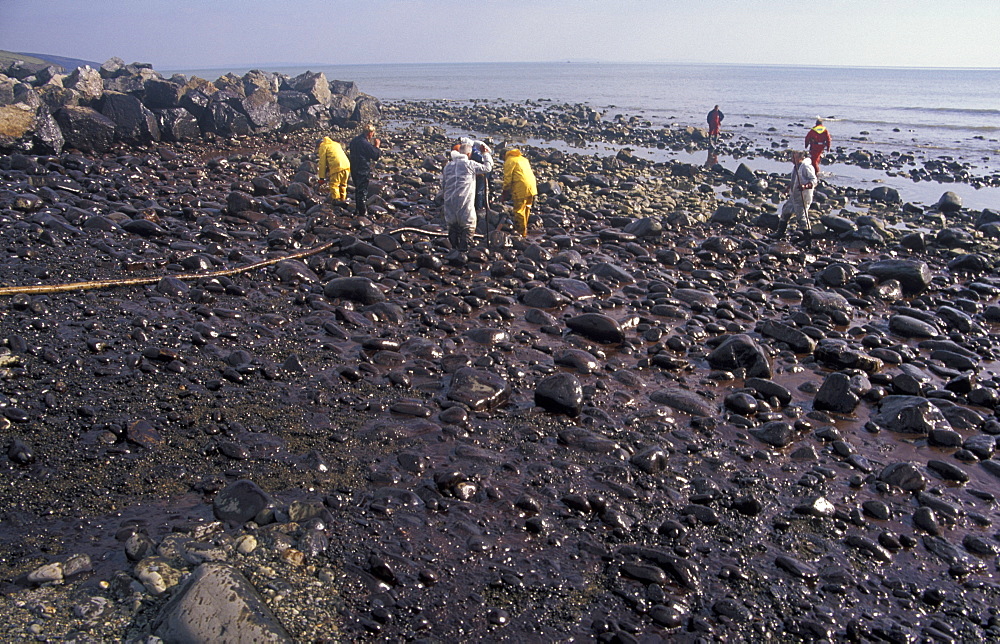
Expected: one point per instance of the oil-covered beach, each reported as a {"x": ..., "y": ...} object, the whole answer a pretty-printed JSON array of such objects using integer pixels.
[{"x": 648, "y": 420}]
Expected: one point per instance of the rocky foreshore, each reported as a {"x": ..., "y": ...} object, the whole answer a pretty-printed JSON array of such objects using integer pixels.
[{"x": 645, "y": 421}]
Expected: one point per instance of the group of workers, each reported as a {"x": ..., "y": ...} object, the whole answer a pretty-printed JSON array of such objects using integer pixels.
[
  {"x": 464, "y": 182},
  {"x": 803, "y": 179}
]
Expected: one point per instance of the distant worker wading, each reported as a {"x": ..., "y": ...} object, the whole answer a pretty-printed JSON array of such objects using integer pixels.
[
  {"x": 818, "y": 139},
  {"x": 335, "y": 167},
  {"x": 520, "y": 186},
  {"x": 715, "y": 124},
  {"x": 458, "y": 187}
]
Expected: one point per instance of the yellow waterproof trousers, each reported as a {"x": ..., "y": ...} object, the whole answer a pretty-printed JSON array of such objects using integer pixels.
[
  {"x": 522, "y": 212},
  {"x": 338, "y": 184}
]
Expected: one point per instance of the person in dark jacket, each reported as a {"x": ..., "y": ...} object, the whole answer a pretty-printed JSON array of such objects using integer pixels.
[
  {"x": 715, "y": 124},
  {"x": 362, "y": 151}
]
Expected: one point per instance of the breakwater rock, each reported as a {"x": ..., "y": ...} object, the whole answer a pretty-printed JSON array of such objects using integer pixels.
[
  {"x": 642, "y": 422},
  {"x": 89, "y": 110}
]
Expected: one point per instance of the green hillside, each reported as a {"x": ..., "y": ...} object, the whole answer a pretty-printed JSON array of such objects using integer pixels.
[
  {"x": 44, "y": 60},
  {"x": 7, "y": 57}
]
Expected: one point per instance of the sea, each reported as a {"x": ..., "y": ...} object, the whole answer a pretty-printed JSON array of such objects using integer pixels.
[{"x": 947, "y": 114}]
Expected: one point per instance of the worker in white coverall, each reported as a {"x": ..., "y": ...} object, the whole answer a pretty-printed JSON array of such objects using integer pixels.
[
  {"x": 458, "y": 186},
  {"x": 800, "y": 196}
]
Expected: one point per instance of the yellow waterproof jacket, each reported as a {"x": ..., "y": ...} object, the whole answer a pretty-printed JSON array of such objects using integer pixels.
[
  {"x": 332, "y": 158},
  {"x": 518, "y": 179}
]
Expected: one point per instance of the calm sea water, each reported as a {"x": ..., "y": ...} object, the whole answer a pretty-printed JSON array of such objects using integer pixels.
[{"x": 930, "y": 112}]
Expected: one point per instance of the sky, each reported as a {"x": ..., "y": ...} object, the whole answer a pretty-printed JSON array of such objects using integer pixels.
[{"x": 212, "y": 34}]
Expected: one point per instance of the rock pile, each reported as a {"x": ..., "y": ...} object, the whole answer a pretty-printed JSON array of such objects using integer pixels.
[{"x": 89, "y": 110}]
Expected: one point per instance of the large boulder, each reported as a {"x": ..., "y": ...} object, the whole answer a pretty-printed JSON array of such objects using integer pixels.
[
  {"x": 56, "y": 96},
  {"x": 222, "y": 118},
  {"x": 163, "y": 94},
  {"x": 312, "y": 84},
  {"x": 178, "y": 124},
  {"x": 85, "y": 129},
  {"x": 367, "y": 109},
  {"x": 113, "y": 67},
  {"x": 347, "y": 89},
  {"x": 134, "y": 123},
  {"x": 26, "y": 129},
  {"x": 256, "y": 79},
  {"x": 262, "y": 108},
  {"x": 86, "y": 81},
  {"x": 290, "y": 99}
]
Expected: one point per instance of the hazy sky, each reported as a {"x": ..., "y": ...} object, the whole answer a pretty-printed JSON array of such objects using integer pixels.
[{"x": 198, "y": 34}]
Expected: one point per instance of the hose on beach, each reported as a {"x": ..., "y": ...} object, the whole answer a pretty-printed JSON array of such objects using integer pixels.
[{"x": 41, "y": 289}]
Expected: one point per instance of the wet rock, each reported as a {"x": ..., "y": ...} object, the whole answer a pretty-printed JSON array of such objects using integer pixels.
[
  {"x": 578, "y": 360},
  {"x": 218, "y": 604},
  {"x": 909, "y": 415},
  {"x": 885, "y": 194},
  {"x": 949, "y": 202},
  {"x": 796, "y": 568},
  {"x": 543, "y": 298},
  {"x": 835, "y": 394},
  {"x": 905, "y": 476},
  {"x": 925, "y": 519},
  {"x": 684, "y": 401},
  {"x": 357, "y": 289},
  {"x": 741, "y": 352},
  {"x": 913, "y": 275},
  {"x": 948, "y": 471},
  {"x": 478, "y": 389},
  {"x": 651, "y": 460},
  {"x": 597, "y": 327},
  {"x": 796, "y": 340},
  {"x": 776, "y": 433},
  {"x": 240, "y": 502},
  {"x": 909, "y": 327},
  {"x": 950, "y": 554},
  {"x": 869, "y": 547},
  {"x": 560, "y": 393}
]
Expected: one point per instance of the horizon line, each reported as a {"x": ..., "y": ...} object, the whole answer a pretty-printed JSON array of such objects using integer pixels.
[{"x": 261, "y": 66}]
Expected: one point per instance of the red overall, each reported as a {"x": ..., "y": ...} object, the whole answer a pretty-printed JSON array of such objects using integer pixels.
[{"x": 818, "y": 139}]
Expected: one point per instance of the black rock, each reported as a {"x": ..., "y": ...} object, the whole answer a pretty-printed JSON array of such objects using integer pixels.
[
  {"x": 240, "y": 502},
  {"x": 560, "y": 393}
]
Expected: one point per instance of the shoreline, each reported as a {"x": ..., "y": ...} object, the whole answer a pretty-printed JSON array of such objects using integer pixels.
[{"x": 681, "y": 496}]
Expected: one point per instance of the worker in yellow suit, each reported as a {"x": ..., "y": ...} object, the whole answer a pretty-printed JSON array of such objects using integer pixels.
[
  {"x": 335, "y": 166},
  {"x": 519, "y": 185}
]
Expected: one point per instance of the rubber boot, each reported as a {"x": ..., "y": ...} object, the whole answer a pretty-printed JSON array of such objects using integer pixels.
[{"x": 780, "y": 232}]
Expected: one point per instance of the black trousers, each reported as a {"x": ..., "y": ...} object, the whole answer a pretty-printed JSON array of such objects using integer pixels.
[{"x": 361, "y": 194}]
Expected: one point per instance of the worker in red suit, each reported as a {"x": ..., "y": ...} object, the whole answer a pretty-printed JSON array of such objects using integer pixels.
[
  {"x": 818, "y": 139},
  {"x": 714, "y": 124}
]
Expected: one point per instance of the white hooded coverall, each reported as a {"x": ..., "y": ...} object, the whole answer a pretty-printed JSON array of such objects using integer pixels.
[{"x": 458, "y": 185}]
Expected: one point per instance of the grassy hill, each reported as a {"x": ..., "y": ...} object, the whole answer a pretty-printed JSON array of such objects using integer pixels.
[{"x": 44, "y": 60}]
